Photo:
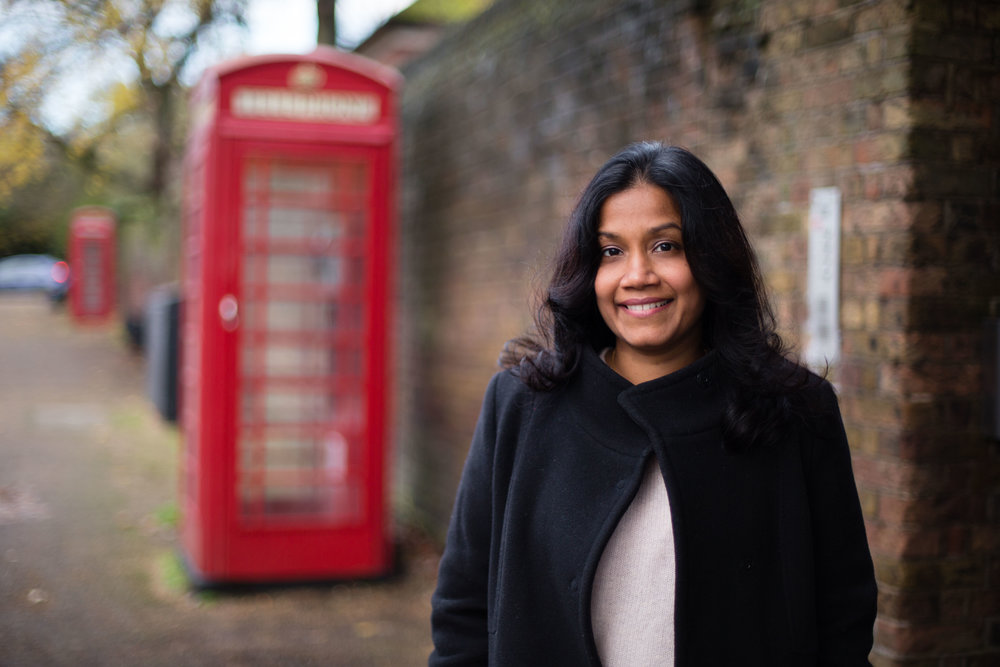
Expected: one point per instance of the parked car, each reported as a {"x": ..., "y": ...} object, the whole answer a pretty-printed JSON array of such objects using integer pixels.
[{"x": 34, "y": 272}]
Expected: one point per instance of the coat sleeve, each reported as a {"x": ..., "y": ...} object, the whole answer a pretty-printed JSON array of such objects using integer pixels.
[
  {"x": 845, "y": 578},
  {"x": 459, "y": 603}
]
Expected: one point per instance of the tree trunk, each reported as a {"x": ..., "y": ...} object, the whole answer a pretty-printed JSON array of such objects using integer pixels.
[
  {"x": 326, "y": 24},
  {"x": 163, "y": 152}
]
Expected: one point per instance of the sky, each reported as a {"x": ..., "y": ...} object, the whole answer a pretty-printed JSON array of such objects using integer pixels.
[
  {"x": 275, "y": 26},
  {"x": 289, "y": 26}
]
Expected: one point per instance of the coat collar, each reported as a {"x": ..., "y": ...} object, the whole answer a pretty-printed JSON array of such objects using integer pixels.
[{"x": 625, "y": 417}]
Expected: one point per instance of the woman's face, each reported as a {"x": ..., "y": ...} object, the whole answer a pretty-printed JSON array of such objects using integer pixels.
[{"x": 644, "y": 286}]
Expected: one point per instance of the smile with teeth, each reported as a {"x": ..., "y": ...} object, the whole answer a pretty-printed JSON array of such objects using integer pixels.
[{"x": 643, "y": 307}]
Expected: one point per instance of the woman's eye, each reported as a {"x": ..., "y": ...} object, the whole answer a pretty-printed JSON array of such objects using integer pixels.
[
  {"x": 666, "y": 246},
  {"x": 610, "y": 252}
]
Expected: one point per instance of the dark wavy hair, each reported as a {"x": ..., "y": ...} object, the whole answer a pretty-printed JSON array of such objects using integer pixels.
[{"x": 738, "y": 323}]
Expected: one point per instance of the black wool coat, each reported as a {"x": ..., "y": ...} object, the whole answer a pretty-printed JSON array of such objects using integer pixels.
[{"x": 773, "y": 566}]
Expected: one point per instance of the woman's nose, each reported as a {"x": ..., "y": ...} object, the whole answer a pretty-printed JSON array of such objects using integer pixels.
[{"x": 639, "y": 271}]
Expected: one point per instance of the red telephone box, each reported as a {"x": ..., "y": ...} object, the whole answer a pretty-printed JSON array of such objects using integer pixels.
[
  {"x": 289, "y": 201},
  {"x": 92, "y": 251}
]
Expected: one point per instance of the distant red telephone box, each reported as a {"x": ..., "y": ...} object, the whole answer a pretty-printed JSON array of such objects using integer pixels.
[
  {"x": 289, "y": 201},
  {"x": 92, "y": 251}
]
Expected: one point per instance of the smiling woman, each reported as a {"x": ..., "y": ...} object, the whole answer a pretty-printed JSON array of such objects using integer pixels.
[
  {"x": 651, "y": 481},
  {"x": 644, "y": 288}
]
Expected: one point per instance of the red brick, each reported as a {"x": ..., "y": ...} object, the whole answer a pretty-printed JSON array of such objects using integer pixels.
[
  {"x": 931, "y": 377},
  {"x": 956, "y": 541},
  {"x": 914, "y": 606},
  {"x": 890, "y": 379},
  {"x": 894, "y": 281},
  {"x": 986, "y": 540},
  {"x": 897, "y": 477},
  {"x": 953, "y": 605},
  {"x": 898, "y": 182},
  {"x": 828, "y": 94},
  {"x": 962, "y": 572},
  {"x": 883, "y": 148},
  {"x": 858, "y": 375},
  {"x": 937, "y": 113},
  {"x": 923, "y": 638},
  {"x": 872, "y": 411},
  {"x": 917, "y": 574},
  {"x": 881, "y": 15},
  {"x": 903, "y": 543},
  {"x": 879, "y": 216},
  {"x": 983, "y": 602},
  {"x": 923, "y": 511}
]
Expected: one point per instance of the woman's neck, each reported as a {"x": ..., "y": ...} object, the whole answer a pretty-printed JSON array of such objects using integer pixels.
[{"x": 638, "y": 368}]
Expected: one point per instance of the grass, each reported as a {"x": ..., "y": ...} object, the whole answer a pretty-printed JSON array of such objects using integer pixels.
[
  {"x": 168, "y": 515},
  {"x": 174, "y": 579}
]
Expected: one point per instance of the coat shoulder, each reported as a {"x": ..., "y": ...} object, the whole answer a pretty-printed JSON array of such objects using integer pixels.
[{"x": 508, "y": 400}]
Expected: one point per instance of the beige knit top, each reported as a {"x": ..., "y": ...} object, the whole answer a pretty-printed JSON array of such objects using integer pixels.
[{"x": 632, "y": 604}]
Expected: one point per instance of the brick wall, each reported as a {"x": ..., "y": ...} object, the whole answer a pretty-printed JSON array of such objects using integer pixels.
[
  {"x": 896, "y": 102},
  {"x": 931, "y": 478}
]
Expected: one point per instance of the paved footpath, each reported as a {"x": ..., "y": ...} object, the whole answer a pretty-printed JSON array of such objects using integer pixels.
[{"x": 88, "y": 566}]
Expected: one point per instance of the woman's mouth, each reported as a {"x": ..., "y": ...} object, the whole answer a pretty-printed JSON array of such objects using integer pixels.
[{"x": 645, "y": 307}]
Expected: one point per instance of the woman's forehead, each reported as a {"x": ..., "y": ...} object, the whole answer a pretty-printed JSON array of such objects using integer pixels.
[{"x": 640, "y": 206}]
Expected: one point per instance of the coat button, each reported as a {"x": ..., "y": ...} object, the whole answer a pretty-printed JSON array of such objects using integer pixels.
[
  {"x": 620, "y": 485},
  {"x": 704, "y": 379},
  {"x": 573, "y": 584}
]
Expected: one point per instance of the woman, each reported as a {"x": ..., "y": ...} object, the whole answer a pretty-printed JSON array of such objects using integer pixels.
[{"x": 651, "y": 482}]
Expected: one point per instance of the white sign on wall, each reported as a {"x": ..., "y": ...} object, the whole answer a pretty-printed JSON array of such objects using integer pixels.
[{"x": 823, "y": 286}]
